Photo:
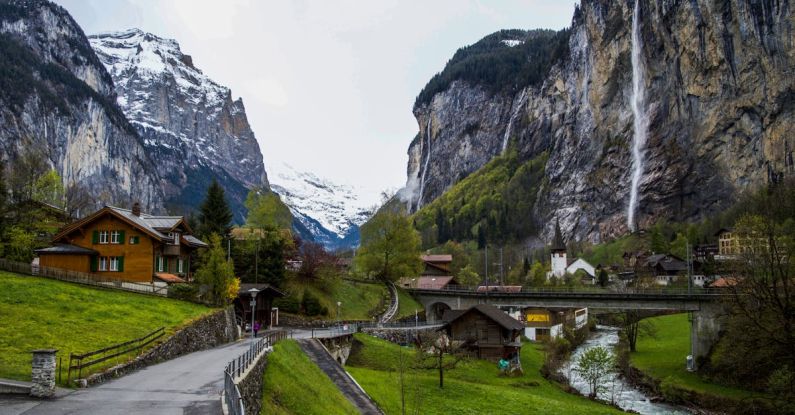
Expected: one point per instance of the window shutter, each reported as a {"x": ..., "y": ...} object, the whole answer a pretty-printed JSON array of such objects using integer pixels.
[
  {"x": 121, "y": 237},
  {"x": 94, "y": 260},
  {"x": 165, "y": 264},
  {"x": 121, "y": 264},
  {"x": 95, "y": 237}
]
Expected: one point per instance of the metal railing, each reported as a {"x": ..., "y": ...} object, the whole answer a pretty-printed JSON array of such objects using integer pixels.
[
  {"x": 393, "y": 305},
  {"x": 662, "y": 290},
  {"x": 408, "y": 325},
  {"x": 81, "y": 361},
  {"x": 83, "y": 278},
  {"x": 236, "y": 368},
  {"x": 334, "y": 331}
]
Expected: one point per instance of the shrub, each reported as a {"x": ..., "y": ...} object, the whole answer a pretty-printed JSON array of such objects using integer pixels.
[
  {"x": 288, "y": 305},
  {"x": 185, "y": 292},
  {"x": 311, "y": 305}
]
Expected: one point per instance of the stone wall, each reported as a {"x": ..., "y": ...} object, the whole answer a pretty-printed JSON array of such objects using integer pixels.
[
  {"x": 207, "y": 332},
  {"x": 250, "y": 385},
  {"x": 399, "y": 336}
]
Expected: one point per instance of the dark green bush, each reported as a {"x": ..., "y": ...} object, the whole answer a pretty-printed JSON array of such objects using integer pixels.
[
  {"x": 288, "y": 305},
  {"x": 185, "y": 292}
]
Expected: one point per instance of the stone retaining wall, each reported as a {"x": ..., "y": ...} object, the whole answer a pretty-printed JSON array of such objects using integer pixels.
[
  {"x": 399, "y": 336},
  {"x": 207, "y": 332},
  {"x": 250, "y": 385}
]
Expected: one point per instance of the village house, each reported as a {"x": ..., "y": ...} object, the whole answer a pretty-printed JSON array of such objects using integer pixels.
[
  {"x": 129, "y": 245},
  {"x": 436, "y": 274},
  {"x": 485, "y": 331},
  {"x": 548, "y": 323},
  {"x": 665, "y": 268}
]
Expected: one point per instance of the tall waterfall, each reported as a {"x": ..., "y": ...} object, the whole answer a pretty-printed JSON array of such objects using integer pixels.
[
  {"x": 514, "y": 114},
  {"x": 425, "y": 166},
  {"x": 641, "y": 122}
]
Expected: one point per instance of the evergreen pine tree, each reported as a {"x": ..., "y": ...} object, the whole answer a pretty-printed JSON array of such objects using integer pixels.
[{"x": 215, "y": 216}]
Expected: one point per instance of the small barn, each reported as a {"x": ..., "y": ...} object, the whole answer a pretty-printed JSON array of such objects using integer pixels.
[
  {"x": 486, "y": 331},
  {"x": 264, "y": 312}
]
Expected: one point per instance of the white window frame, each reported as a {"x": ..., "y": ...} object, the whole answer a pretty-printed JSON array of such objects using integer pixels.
[
  {"x": 103, "y": 237},
  {"x": 159, "y": 263},
  {"x": 179, "y": 266},
  {"x": 174, "y": 238},
  {"x": 102, "y": 264},
  {"x": 114, "y": 263},
  {"x": 115, "y": 237}
]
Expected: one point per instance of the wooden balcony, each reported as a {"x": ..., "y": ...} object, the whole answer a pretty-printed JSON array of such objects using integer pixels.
[{"x": 171, "y": 250}]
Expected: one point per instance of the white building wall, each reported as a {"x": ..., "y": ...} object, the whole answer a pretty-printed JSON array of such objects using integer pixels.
[{"x": 559, "y": 264}]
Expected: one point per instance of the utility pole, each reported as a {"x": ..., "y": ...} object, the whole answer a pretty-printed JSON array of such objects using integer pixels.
[
  {"x": 256, "y": 263},
  {"x": 486, "y": 265},
  {"x": 689, "y": 256},
  {"x": 502, "y": 275}
]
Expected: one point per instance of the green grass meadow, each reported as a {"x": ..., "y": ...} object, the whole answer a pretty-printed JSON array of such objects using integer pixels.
[
  {"x": 293, "y": 384},
  {"x": 37, "y": 313},
  {"x": 473, "y": 387},
  {"x": 663, "y": 357}
]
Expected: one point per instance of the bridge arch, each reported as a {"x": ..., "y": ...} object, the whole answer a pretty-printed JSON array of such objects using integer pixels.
[{"x": 435, "y": 310}]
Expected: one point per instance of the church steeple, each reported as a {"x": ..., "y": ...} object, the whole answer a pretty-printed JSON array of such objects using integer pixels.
[{"x": 557, "y": 244}]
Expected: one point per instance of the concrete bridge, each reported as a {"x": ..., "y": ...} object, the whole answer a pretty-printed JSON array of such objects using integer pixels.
[{"x": 704, "y": 305}]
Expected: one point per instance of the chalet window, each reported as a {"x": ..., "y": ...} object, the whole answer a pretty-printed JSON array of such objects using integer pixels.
[
  {"x": 159, "y": 264},
  {"x": 174, "y": 238},
  {"x": 179, "y": 266},
  {"x": 135, "y": 240},
  {"x": 103, "y": 237},
  {"x": 114, "y": 237},
  {"x": 103, "y": 263},
  {"x": 114, "y": 263}
]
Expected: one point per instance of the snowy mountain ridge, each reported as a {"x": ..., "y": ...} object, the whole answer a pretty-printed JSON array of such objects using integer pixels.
[{"x": 331, "y": 212}]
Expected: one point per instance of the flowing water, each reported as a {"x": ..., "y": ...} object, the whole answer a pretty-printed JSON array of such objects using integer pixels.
[
  {"x": 514, "y": 114},
  {"x": 616, "y": 389},
  {"x": 640, "y": 123},
  {"x": 425, "y": 166}
]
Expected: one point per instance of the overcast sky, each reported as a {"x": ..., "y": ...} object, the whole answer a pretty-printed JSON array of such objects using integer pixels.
[{"x": 328, "y": 85}]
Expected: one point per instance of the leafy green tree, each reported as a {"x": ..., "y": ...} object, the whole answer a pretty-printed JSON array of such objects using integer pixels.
[
  {"x": 215, "y": 216},
  {"x": 594, "y": 366},
  {"x": 25, "y": 173},
  {"x": 468, "y": 276},
  {"x": 538, "y": 274},
  {"x": 217, "y": 274},
  {"x": 260, "y": 255},
  {"x": 20, "y": 244},
  {"x": 679, "y": 246},
  {"x": 390, "y": 247},
  {"x": 267, "y": 211},
  {"x": 659, "y": 244},
  {"x": 48, "y": 188}
]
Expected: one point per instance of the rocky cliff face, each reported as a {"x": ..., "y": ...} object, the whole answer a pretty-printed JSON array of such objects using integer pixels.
[
  {"x": 56, "y": 97},
  {"x": 717, "y": 78},
  {"x": 191, "y": 126}
]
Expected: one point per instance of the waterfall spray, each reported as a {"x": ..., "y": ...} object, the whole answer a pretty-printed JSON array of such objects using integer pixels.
[
  {"x": 425, "y": 166},
  {"x": 640, "y": 122},
  {"x": 514, "y": 114}
]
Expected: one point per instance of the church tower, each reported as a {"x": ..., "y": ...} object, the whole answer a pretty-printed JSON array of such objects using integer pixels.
[{"x": 558, "y": 253}]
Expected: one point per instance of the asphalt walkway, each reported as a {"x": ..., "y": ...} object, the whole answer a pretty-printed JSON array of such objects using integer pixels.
[
  {"x": 188, "y": 385},
  {"x": 339, "y": 376}
]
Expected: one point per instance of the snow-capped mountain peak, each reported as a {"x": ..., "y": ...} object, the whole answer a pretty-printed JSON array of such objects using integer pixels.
[{"x": 320, "y": 203}]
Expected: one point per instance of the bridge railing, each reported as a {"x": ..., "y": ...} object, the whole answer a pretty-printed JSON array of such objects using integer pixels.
[{"x": 662, "y": 290}]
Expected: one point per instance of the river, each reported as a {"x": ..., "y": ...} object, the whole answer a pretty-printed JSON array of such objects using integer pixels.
[{"x": 617, "y": 390}]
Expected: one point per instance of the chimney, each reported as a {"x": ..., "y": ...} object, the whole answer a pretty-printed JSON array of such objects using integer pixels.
[{"x": 136, "y": 209}]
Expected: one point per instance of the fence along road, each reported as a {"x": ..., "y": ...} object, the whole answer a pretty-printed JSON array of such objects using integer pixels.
[{"x": 190, "y": 385}]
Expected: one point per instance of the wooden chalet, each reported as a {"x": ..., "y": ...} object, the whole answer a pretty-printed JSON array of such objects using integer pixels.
[
  {"x": 486, "y": 331},
  {"x": 437, "y": 265},
  {"x": 263, "y": 312},
  {"x": 124, "y": 244}
]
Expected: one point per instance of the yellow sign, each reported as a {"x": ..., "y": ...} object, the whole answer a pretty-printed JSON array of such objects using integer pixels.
[{"x": 538, "y": 318}]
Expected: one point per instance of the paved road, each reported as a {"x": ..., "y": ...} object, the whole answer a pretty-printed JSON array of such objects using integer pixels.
[
  {"x": 187, "y": 385},
  {"x": 337, "y": 374}
]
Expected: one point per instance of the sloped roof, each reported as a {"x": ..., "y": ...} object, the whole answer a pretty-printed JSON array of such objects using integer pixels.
[
  {"x": 244, "y": 287},
  {"x": 169, "y": 278},
  {"x": 450, "y": 315},
  {"x": 434, "y": 283},
  {"x": 495, "y": 314},
  {"x": 667, "y": 262},
  {"x": 66, "y": 249},
  {"x": 437, "y": 258},
  {"x": 194, "y": 241}
]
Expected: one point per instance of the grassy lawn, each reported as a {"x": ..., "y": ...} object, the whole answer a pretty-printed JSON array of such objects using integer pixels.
[
  {"x": 359, "y": 299},
  {"x": 40, "y": 313},
  {"x": 473, "y": 387},
  {"x": 407, "y": 305},
  {"x": 664, "y": 357},
  {"x": 293, "y": 384}
]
